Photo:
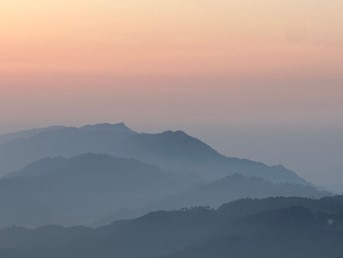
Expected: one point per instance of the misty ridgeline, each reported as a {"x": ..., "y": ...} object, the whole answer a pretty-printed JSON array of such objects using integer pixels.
[{"x": 105, "y": 191}]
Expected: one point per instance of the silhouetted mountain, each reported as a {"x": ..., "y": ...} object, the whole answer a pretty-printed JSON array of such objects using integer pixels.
[
  {"x": 221, "y": 191},
  {"x": 65, "y": 141},
  {"x": 275, "y": 227},
  {"x": 83, "y": 188},
  {"x": 180, "y": 152},
  {"x": 290, "y": 232},
  {"x": 174, "y": 151},
  {"x": 236, "y": 187},
  {"x": 47, "y": 236}
]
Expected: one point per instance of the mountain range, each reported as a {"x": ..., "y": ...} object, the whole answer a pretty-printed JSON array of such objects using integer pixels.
[
  {"x": 77, "y": 190},
  {"x": 214, "y": 194},
  {"x": 86, "y": 189},
  {"x": 248, "y": 228},
  {"x": 97, "y": 174},
  {"x": 173, "y": 151},
  {"x": 107, "y": 191}
]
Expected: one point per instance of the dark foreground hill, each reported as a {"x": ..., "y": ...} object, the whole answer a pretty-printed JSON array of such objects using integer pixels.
[
  {"x": 273, "y": 227},
  {"x": 173, "y": 151}
]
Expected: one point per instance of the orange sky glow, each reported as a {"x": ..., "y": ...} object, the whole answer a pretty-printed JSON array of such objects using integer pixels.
[
  {"x": 228, "y": 71},
  {"x": 136, "y": 37},
  {"x": 147, "y": 55},
  {"x": 131, "y": 48}
]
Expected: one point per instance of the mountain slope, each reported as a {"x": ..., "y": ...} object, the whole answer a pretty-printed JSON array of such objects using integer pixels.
[
  {"x": 81, "y": 189},
  {"x": 276, "y": 227},
  {"x": 288, "y": 232},
  {"x": 236, "y": 187},
  {"x": 66, "y": 142},
  {"x": 180, "y": 152},
  {"x": 26, "y": 133},
  {"x": 221, "y": 191},
  {"x": 174, "y": 151}
]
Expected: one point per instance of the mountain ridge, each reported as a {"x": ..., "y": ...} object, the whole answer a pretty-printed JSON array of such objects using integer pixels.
[
  {"x": 275, "y": 227},
  {"x": 171, "y": 150},
  {"x": 81, "y": 189}
]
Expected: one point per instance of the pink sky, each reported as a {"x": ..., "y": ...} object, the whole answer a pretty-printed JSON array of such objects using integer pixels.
[
  {"x": 156, "y": 38},
  {"x": 213, "y": 67},
  {"x": 217, "y": 61}
]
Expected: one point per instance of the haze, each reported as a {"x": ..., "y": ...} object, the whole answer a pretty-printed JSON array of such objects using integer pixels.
[{"x": 257, "y": 79}]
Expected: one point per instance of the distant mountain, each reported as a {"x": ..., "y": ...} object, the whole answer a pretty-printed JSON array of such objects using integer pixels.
[
  {"x": 42, "y": 167},
  {"x": 173, "y": 151},
  {"x": 180, "y": 152},
  {"x": 273, "y": 227},
  {"x": 96, "y": 189},
  {"x": 224, "y": 190},
  {"x": 81, "y": 189},
  {"x": 26, "y": 133},
  {"x": 236, "y": 187},
  {"x": 65, "y": 141}
]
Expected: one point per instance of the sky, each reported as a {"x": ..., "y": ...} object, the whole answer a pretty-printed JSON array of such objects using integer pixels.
[{"x": 257, "y": 78}]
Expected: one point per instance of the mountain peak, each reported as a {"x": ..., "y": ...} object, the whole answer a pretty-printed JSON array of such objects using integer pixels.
[
  {"x": 120, "y": 127},
  {"x": 176, "y": 133}
]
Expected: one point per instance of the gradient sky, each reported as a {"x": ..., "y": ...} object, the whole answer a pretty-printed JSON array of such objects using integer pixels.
[
  {"x": 261, "y": 74},
  {"x": 144, "y": 37}
]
